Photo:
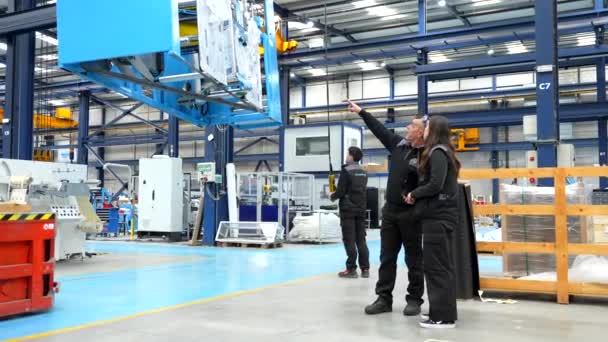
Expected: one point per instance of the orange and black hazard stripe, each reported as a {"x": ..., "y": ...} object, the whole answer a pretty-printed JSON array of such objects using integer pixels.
[{"x": 27, "y": 217}]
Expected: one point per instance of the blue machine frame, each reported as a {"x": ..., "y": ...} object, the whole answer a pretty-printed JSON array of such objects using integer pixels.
[{"x": 93, "y": 32}]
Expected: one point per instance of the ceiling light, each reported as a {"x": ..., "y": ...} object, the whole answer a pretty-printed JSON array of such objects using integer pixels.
[
  {"x": 441, "y": 3},
  {"x": 2, "y": 65},
  {"x": 3, "y": 46},
  {"x": 48, "y": 39},
  {"x": 316, "y": 42},
  {"x": 381, "y": 11},
  {"x": 515, "y": 48},
  {"x": 58, "y": 103},
  {"x": 394, "y": 17},
  {"x": 585, "y": 41},
  {"x": 292, "y": 75},
  {"x": 317, "y": 72},
  {"x": 310, "y": 29},
  {"x": 49, "y": 57},
  {"x": 490, "y": 52},
  {"x": 310, "y": 24},
  {"x": 368, "y": 66},
  {"x": 485, "y": 2},
  {"x": 383, "y": 64},
  {"x": 439, "y": 58},
  {"x": 364, "y": 3}
]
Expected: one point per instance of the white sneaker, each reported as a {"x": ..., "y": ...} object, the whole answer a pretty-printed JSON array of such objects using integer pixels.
[
  {"x": 430, "y": 324},
  {"x": 424, "y": 316}
]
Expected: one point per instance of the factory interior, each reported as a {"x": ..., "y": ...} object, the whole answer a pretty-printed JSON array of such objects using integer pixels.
[{"x": 173, "y": 169}]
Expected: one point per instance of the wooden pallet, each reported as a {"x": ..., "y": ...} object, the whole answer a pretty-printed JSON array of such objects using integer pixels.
[{"x": 249, "y": 245}]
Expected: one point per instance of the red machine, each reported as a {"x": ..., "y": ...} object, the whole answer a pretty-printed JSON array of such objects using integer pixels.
[{"x": 27, "y": 265}]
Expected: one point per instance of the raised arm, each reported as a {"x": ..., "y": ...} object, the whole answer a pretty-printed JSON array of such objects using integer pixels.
[{"x": 386, "y": 137}]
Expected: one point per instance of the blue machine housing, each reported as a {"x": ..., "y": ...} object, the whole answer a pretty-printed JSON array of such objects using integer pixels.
[{"x": 94, "y": 33}]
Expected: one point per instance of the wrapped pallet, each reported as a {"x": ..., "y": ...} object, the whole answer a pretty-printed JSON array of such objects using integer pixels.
[{"x": 534, "y": 228}]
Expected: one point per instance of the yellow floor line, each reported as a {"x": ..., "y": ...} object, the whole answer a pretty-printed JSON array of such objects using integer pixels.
[{"x": 159, "y": 310}]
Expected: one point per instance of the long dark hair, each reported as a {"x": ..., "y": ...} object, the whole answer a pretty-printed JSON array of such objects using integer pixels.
[{"x": 439, "y": 134}]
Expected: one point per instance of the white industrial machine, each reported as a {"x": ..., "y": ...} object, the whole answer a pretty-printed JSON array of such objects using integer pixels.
[
  {"x": 307, "y": 146},
  {"x": 161, "y": 197},
  {"x": 59, "y": 188}
]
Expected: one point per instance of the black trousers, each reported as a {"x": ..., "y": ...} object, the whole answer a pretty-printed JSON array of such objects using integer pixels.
[
  {"x": 400, "y": 228},
  {"x": 353, "y": 235},
  {"x": 439, "y": 269}
]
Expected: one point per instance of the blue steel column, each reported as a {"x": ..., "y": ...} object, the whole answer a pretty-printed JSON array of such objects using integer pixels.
[
  {"x": 547, "y": 85},
  {"x": 220, "y": 151},
  {"x": 602, "y": 133},
  {"x": 18, "y": 123},
  {"x": 599, "y": 4},
  {"x": 423, "y": 85},
  {"x": 601, "y": 79},
  {"x": 495, "y": 185},
  {"x": 102, "y": 150},
  {"x": 84, "y": 101},
  {"x": 423, "y": 98},
  {"x": 173, "y": 139},
  {"x": 284, "y": 86}
]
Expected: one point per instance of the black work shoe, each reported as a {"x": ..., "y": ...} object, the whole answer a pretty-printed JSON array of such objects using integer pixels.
[
  {"x": 430, "y": 324},
  {"x": 364, "y": 273},
  {"x": 378, "y": 307},
  {"x": 412, "y": 309},
  {"x": 348, "y": 274}
]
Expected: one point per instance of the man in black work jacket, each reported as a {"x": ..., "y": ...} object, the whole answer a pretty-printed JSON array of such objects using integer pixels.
[
  {"x": 351, "y": 192},
  {"x": 399, "y": 226}
]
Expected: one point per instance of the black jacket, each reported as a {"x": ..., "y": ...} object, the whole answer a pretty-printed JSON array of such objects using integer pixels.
[
  {"x": 403, "y": 166},
  {"x": 436, "y": 197},
  {"x": 352, "y": 190}
]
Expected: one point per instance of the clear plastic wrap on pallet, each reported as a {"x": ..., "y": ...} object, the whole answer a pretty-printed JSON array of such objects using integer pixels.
[
  {"x": 214, "y": 34},
  {"x": 318, "y": 226},
  {"x": 535, "y": 228}
]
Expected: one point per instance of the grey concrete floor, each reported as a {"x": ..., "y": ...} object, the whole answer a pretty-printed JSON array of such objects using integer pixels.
[{"x": 331, "y": 309}]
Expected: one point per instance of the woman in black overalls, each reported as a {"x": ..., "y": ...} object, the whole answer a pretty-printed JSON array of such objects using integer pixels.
[{"x": 436, "y": 207}]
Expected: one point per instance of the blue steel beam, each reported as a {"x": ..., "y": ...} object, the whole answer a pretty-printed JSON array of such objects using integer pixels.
[
  {"x": 547, "y": 93},
  {"x": 486, "y": 94},
  {"x": 462, "y": 37},
  {"x": 495, "y": 63}
]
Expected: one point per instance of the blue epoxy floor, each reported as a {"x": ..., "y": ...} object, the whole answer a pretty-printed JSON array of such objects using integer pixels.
[{"x": 101, "y": 296}]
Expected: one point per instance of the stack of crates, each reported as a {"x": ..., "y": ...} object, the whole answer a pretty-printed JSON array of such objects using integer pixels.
[{"x": 27, "y": 265}]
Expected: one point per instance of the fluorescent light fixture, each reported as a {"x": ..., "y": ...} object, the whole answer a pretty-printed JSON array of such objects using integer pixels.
[
  {"x": 292, "y": 75},
  {"x": 58, "y": 103},
  {"x": 381, "y": 11},
  {"x": 310, "y": 24},
  {"x": 366, "y": 66},
  {"x": 2, "y": 65},
  {"x": 485, "y": 2},
  {"x": 296, "y": 25},
  {"x": 515, "y": 48},
  {"x": 310, "y": 29},
  {"x": 490, "y": 52},
  {"x": 364, "y": 3},
  {"x": 46, "y": 38},
  {"x": 441, "y": 3},
  {"x": 383, "y": 64},
  {"x": 585, "y": 41},
  {"x": 439, "y": 58},
  {"x": 394, "y": 17},
  {"x": 317, "y": 72},
  {"x": 3, "y": 46},
  {"x": 316, "y": 42}
]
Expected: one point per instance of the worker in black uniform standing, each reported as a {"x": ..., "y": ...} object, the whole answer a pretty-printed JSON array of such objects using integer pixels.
[
  {"x": 399, "y": 226},
  {"x": 351, "y": 191},
  {"x": 436, "y": 206}
]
